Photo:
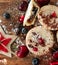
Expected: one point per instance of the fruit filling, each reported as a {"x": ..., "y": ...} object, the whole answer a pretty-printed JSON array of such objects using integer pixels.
[
  {"x": 4, "y": 42},
  {"x": 33, "y": 14}
]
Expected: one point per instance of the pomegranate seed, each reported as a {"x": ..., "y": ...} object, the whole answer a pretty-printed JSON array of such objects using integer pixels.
[
  {"x": 35, "y": 49},
  {"x": 41, "y": 41},
  {"x": 55, "y": 55},
  {"x": 21, "y": 18},
  {"x": 54, "y": 63},
  {"x": 53, "y": 14}
]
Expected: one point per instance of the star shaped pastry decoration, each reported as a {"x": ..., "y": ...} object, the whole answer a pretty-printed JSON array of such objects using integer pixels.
[{"x": 5, "y": 42}]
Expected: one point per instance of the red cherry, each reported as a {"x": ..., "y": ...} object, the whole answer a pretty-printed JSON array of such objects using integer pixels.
[
  {"x": 35, "y": 49},
  {"x": 54, "y": 63},
  {"x": 22, "y": 52},
  {"x": 53, "y": 14},
  {"x": 55, "y": 55},
  {"x": 41, "y": 41},
  {"x": 23, "y": 6},
  {"x": 42, "y": 2},
  {"x": 21, "y": 18}
]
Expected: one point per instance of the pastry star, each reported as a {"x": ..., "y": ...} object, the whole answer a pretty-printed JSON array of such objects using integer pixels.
[{"x": 6, "y": 41}]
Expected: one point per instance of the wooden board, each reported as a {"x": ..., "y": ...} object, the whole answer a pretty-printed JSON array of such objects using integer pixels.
[
  {"x": 4, "y": 1},
  {"x": 14, "y": 61}
]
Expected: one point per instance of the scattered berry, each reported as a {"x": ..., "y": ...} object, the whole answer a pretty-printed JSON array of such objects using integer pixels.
[
  {"x": 6, "y": 15},
  {"x": 23, "y": 6},
  {"x": 55, "y": 55},
  {"x": 22, "y": 52},
  {"x": 24, "y": 30},
  {"x": 35, "y": 61},
  {"x": 21, "y": 18},
  {"x": 42, "y": 2}
]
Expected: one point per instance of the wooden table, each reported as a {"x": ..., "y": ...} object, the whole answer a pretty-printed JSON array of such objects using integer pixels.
[{"x": 14, "y": 60}]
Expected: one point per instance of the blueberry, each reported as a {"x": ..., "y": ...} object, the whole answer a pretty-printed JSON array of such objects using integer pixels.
[
  {"x": 24, "y": 30},
  {"x": 35, "y": 61},
  {"x": 6, "y": 15}
]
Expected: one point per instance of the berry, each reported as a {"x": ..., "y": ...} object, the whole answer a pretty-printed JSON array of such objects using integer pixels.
[
  {"x": 24, "y": 30},
  {"x": 54, "y": 63},
  {"x": 41, "y": 41},
  {"x": 23, "y": 6},
  {"x": 42, "y": 2},
  {"x": 22, "y": 52},
  {"x": 55, "y": 55},
  {"x": 6, "y": 15},
  {"x": 54, "y": 14},
  {"x": 35, "y": 49},
  {"x": 35, "y": 61},
  {"x": 21, "y": 18}
]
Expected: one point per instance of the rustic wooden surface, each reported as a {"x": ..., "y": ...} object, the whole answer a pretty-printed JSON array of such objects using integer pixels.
[{"x": 14, "y": 60}]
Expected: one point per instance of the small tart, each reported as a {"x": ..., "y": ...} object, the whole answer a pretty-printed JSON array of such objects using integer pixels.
[
  {"x": 48, "y": 17},
  {"x": 39, "y": 40},
  {"x": 31, "y": 13}
]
